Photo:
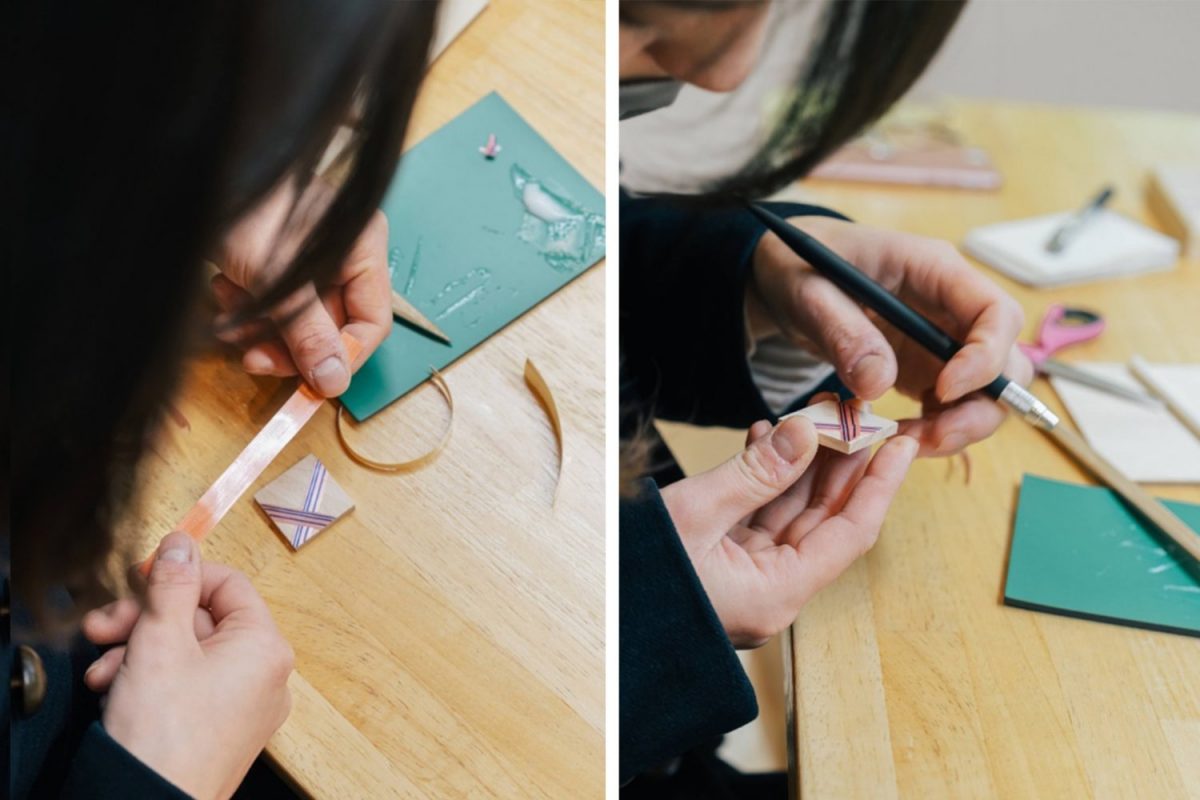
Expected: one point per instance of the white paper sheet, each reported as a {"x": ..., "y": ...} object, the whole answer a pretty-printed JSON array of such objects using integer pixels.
[
  {"x": 1146, "y": 443},
  {"x": 453, "y": 18},
  {"x": 1109, "y": 246}
]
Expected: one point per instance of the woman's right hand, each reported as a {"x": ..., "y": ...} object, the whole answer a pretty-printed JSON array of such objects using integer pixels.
[
  {"x": 305, "y": 329},
  {"x": 777, "y": 522},
  {"x": 790, "y": 298},
  {"x": 195, "y": 696}
]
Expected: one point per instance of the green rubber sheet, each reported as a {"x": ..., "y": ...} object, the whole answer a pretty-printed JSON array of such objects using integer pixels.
[
  {"x": 475, "y": 242},
  {"x": 1080, "y": 551}
]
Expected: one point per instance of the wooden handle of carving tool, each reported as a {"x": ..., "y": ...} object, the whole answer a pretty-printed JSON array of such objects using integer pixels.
[
  {"x": 1135, "y": 495},
  {"x": 409, "y": 313}
]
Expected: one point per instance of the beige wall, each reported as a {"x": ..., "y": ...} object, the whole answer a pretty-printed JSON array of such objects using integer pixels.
[
  {"x": 1134, "y": 53},
  {"x": 1138, "y": 53}
]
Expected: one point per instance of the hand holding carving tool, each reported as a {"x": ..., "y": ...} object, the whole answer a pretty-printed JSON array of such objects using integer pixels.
[{"x": 864, "y": 290}]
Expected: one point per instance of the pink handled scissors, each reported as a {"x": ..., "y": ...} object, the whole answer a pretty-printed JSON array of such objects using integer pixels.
[{"x": 1062, "y": 327}]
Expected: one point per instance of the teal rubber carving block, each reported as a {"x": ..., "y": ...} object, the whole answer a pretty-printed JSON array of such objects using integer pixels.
[
  {"x": 1080, "y": 551},
  {"x": 476, "y": 241}
]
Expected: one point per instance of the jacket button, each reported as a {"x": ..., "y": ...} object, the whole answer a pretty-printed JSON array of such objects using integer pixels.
[{"x": 28, "y": 683}]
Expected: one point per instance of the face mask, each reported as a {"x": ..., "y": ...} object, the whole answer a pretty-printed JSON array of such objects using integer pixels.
[{"x": 642, "y": 96}]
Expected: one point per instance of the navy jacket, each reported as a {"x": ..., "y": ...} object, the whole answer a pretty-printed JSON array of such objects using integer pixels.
[
  {"x": 61, "y": 750},
  {"x": 683, "y": 350}
]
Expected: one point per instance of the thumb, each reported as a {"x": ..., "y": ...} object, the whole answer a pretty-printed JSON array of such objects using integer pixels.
[
  {"x": 315, "y": 344},
  {"x": 845, "y": 335},
  {"x": 706, "y": 506},
  {"x": 173, "y": 586}
]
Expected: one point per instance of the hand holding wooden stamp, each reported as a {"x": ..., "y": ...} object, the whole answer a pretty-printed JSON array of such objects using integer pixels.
[{"x": 846, "y": 426}]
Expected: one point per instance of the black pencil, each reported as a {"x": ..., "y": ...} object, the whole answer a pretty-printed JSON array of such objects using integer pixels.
[{"x": 866, "y": 291}]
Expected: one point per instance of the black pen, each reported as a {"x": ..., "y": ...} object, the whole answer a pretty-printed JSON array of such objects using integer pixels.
[
  {"x": 864, "y": 290},
  {"x": 1078, "y": 221}
]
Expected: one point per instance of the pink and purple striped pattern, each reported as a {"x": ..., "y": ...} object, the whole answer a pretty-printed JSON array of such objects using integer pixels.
[
  {"x": 307, "y": 520},
  {"x": 848, "y": 425}
]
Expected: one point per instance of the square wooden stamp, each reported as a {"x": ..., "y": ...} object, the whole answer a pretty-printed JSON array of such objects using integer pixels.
[
  {"x": 845, "y": 427},
  {"x": 303, "y": 501}
]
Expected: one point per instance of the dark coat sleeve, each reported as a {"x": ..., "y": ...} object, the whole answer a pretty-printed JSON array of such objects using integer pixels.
[
  {"x": 682, "y": 318},
  {"x": 104, "y": 770},
  {"x": 61, "y": 750},
  {"x": 683, "y": 357},
  {"x": 681, "y": 680}
]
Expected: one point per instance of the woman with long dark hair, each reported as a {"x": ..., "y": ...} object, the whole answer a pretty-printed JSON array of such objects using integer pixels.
[
  {"x": 140, "y": 143},
  {"x": 721, "y": 324}
]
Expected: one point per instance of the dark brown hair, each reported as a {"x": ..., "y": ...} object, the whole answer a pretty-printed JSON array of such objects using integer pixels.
[
  {"x": 869, "y": 54},
  {"x": 139, "y": 135}
]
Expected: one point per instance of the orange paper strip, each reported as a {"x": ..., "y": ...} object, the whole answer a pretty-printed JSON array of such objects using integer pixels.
[{"x": 262, "y": 450}]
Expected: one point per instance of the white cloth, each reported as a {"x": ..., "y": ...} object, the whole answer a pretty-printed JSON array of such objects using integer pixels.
[{"x": 783, "y": 372}]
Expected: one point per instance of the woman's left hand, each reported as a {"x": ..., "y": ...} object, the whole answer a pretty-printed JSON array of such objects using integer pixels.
[
  {"x": 788, "y": 297},
  {"x": 303, "y": 334},
  {"x": 767, "y": 529},
  {"x": 197, "y": 681}
]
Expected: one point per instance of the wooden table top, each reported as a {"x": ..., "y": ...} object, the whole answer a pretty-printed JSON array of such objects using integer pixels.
[
  {"x": 449, "y": 633},
  {"x": 911, "y": 678}
]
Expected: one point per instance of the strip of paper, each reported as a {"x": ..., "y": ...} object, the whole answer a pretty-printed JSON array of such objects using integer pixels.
[
  {"x": 403, "y": 466},
  {"x": 541, "y": 390},
  {"x": 262, "y": 450}
]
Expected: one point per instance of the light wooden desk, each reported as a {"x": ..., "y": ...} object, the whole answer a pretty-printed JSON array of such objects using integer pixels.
[
  {"x": 449, "y": 633},
  {"x": 911, "y": 679}
]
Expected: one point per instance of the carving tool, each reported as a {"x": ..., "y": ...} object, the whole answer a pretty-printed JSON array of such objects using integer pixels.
[
  {"x": 863, "y": 289},
  {"x": 408, "y": 312},
  {"x": 866, "y": 291},
  {"x": 262, "y": 450}
]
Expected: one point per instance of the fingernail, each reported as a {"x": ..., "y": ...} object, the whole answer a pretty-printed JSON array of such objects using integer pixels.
[
  {"x": 331, "y": 376},
  {"x": 952, "y": 442},
  {"x": 177, "y": 548},
  {"x": 787, "y": 441},
  {"x": 866, "y": 364},
  {"x": 868, "y": 370},
  {"x": 953, "y": 392},
  {"x": 257, "y": 362},
  {"x": 911, "y": 445}
]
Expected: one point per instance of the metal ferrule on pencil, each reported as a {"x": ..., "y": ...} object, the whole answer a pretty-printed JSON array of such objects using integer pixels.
[{"x": 1037, "y": 413}]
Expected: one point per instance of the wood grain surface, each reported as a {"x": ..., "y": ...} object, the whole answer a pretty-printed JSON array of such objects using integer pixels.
[
  {"x": 449, "y": 632},
  {"x": 911, "y": 678}
]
